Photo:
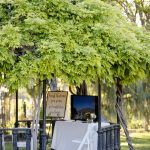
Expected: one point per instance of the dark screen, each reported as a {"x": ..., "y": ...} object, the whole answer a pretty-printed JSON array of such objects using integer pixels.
[{"x": 82, "y": 106}]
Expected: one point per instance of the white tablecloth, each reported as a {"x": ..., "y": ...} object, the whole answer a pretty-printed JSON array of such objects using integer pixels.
[{"x": 66, "y": 132}]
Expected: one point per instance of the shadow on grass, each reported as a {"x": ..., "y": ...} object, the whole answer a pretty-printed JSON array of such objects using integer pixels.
[{"x": 141, "y": 141}]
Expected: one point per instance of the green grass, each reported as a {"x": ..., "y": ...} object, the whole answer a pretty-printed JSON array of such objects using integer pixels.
[
  {"x": 8, "y": 146},
  {"x": 141, "y": 141}
]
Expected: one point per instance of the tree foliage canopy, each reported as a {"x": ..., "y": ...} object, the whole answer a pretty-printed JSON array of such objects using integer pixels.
[{"x": 74, "y": 42}]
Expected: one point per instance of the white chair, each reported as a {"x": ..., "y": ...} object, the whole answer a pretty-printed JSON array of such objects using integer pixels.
[
  {"x": 87, "y": 140},
  {"x": 82, "y": 144}
]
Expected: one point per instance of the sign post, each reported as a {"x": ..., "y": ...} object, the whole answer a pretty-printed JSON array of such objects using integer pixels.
[{"x": 43, "y": 136}]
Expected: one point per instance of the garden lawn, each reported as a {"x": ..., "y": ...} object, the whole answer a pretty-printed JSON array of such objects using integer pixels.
[{"x": 141, "y": 141}]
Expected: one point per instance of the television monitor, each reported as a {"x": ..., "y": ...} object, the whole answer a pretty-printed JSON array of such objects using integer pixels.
[{"x": 83, "y": 106}]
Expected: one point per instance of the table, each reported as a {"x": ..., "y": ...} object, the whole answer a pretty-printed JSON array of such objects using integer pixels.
[{"x": 71, "y": 135}]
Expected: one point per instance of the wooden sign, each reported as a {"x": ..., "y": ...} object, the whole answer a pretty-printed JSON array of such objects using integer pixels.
[{"x": 56, "y": 104}]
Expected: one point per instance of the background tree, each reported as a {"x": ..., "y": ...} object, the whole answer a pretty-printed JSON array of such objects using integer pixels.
[{"x": 138, "y": 11}]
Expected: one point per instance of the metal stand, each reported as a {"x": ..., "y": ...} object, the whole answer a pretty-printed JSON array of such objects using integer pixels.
[
  {"x": 43, "y": 136},
  {"x": 40, "y": 134},
  {"x": 16, "y": 123},
  {"x": 99, "y": 146}
]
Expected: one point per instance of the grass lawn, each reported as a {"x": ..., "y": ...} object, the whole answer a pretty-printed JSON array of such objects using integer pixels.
[{"x": 141, "y": 141}]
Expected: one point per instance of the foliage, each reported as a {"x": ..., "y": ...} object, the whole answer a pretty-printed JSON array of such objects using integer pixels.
[
  {"x": 138, "y": 103},
  {"x": 138, "y": 11},
  {"x": 134, "y": 8},
  {"x": 90, "y": 39}
]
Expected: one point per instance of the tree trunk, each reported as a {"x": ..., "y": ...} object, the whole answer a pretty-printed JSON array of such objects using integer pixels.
[
  {"x": 119, "y": 96},
  {"x": 146, "y": 117},
  {"x": 36, "y": 116},
  {"x": 82, "y": 90},
  {"x": 53, "y": 84},
  {"x": 120, "y": 117}
]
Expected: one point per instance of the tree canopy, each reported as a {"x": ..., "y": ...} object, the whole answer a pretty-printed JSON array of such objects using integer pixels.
[{"x": 75, "y": 42}]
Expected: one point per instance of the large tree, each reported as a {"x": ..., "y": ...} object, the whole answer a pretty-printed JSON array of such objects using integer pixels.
[
  {"x": 47, "y": 39},
  {"x": 75, "y": 42}
]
